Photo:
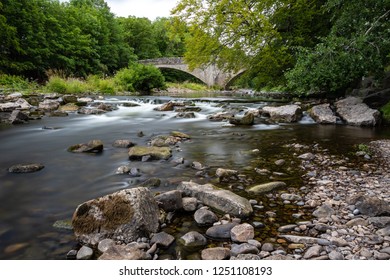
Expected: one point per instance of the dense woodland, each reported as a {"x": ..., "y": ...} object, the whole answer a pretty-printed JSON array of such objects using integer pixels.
[{"x": 302, "y": 46}]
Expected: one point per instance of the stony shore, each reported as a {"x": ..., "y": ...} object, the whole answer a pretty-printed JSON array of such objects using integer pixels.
[{"x": 348, "y": 199}]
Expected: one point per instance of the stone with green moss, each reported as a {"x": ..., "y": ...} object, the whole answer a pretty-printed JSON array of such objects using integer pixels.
[{"x": 138, "y": 152}]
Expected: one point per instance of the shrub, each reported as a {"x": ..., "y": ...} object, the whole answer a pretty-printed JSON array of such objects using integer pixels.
[
  {"x": 386, "y": 113},
  {"x": 139, "y": 77},
  {"x": 11, "y": 82},
  {"x": 56, "y": 84}
]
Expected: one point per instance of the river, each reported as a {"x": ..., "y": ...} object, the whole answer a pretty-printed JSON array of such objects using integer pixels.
[{"x": 32, "y": 203}]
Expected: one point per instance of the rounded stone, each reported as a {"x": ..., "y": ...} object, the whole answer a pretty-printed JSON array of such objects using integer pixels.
[
  {"x": 203, "y": 216},
  {"x": 242, "y": 233},
  {"x": 193, "y": 239},
  {"x": 85, "y": 253}
]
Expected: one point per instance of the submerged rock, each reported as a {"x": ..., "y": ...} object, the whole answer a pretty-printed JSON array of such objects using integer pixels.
[
  {"x": 123, "y": 216},
  {"x": 193, "y": 239},
  {"x": 221, "y": 200},
  {"x": 26, "y": 168},
  {"x": 267, "y": 187}
]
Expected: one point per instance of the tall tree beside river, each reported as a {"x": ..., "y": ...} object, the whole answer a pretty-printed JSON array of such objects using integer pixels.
[{"x": 261, "y": 36}]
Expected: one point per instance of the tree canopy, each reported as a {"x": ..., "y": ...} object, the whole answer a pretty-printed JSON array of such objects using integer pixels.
[
  {"x": 307, "y": 45},
  {"x": 76, "y": 38}
]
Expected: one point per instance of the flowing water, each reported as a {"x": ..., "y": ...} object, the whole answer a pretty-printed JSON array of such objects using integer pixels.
[{"x": 31, "y": 203}]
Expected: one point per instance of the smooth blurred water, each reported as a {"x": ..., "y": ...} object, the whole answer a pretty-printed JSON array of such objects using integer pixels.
[{"x": 31, "y": 203}]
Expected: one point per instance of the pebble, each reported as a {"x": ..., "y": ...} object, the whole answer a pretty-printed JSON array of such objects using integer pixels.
[{"x": 85, "y": 253}]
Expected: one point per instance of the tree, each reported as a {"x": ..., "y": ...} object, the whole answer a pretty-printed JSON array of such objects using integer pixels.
[
  {"x": 260, "y": 36},
  {"x": 358, "y": 45},
  {"x": 140, "y": 36}
]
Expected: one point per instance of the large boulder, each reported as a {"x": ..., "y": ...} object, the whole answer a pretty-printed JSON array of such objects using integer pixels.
[
  {"x": 49, "y": 105},
  {"x": 287, "y": 113},
  {"x": 247, "y": 119},
  {"x": 354, "y": 112},
  {"x": 138, "y": 152},
  {"x": 123, "y": 216},
  {"x": 323, "y": 114},
  {"x": 18, "y": 117},
  {"x": 221, "y": 200}
]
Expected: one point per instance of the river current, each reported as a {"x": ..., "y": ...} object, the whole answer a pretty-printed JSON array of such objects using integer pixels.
[{"x": 31, "y": 203}]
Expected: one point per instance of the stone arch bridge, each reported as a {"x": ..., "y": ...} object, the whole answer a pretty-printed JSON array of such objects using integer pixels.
[{"x": 211, "y": 75}]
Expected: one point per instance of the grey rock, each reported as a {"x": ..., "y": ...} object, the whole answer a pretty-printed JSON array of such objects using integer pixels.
[
  {"x": 190, "y": 204},
  {"x": 123, "y": 170},
  {"x": 357, "y": 222},
  {"x": 278, "y": 257},
  {"x": 312, "y": 252},
  {"x": 381, "y": 256},
  {"x": 355, "y": 112},
  {"x": 85, "y": 253},
  {"x": 222, "y": 200},
  {"x": 323, "y": 114},
  {"x": 244, "y": 248},
  {"x": 305, "y": 239},
  {"x": 335, "y": 255},
  {"x": 267, "y": 247},
  {"x": 324, "y": 211},
  {"x": 26, "y": 168},
  {"x": 287, "y": 228},
  {"x": 220, "y": 116},
  {"x": 151, "y": 183},
  {"x": 93, "y": 146},
  {"x": 123, "y": 216},
  {"x": 226, "y": 175},
  {"x": 193, "y": 239},
  {"x": 124, "y": 252},
  {"x": 49, "y": 105},
  {"x": 170, "y": 201},
  {"x": 242, "y": 233},
  {"x": 246, "y": 257},
  {"x": 218, "y": 253},
  {"x": 307, "y": 156},
  {"x": 379, "y": 222},
  {"x": 18, "y": 117},
  {"x": 384, "y": 231},
  {"x": 290, "y": 197},
  {"x": 123, "y": 143},
  {"x": 220, "y": 231},
  {"x": 105, "y": 244},
  {"x": 162, "y": 239},
  {"x": 203, "y": 216},
  {"x": 372, "y": 206},
  {"x": 287, "y": 113},
  {"x": 247, "y": 119}
]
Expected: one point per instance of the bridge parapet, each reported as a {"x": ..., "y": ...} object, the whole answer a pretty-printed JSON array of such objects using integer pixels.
[{"x": 164, "y": 61}]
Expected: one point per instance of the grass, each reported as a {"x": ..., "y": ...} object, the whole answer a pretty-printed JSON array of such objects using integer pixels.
[
  {"x": 188, "y": 86},
  {"x": 11, "y": 83}
]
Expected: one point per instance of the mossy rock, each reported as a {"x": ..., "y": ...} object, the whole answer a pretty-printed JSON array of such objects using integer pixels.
[
  {"x": 138, "y": 152},
  {"x": 267, "y": 187}
]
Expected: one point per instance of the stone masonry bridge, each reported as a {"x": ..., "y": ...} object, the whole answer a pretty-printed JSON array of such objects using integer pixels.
[{"x": 211, "y": 75}]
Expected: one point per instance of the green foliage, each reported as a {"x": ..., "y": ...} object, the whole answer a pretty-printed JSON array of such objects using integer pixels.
[
  {"x": 358, "y": 45},
  {"x": 139, "y": 77},
  {"x": 12, "y": 82},
  {"x": 260, "y": 36},
  {"x": 188, "y": 85},
  {"x": 385, "y": 110}
]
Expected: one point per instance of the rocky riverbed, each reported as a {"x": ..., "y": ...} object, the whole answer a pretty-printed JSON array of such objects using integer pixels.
[
  {"x": 338, "y": 210},
  {"x": 347, "y": 200}
]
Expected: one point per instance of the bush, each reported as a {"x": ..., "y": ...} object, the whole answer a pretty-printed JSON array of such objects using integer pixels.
[
  {"x": 56, "y": 84},
  {"x": 139, "y": 77},
  {"x": 11, "y": 82}
]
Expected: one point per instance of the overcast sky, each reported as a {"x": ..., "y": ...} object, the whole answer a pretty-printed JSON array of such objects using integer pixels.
[{"x": 141, "y": 8}]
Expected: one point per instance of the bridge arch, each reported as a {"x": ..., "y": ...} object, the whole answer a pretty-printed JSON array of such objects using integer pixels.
[{"x": 211, "y": 75}]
